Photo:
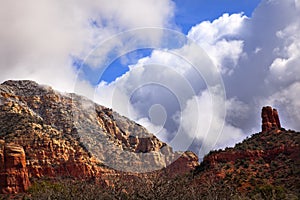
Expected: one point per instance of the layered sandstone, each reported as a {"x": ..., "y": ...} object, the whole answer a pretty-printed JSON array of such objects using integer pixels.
[
  {"x": 13, "y": 170},
  {"x": 67, "y": 135},
  {"x": 251, "y": 155}
]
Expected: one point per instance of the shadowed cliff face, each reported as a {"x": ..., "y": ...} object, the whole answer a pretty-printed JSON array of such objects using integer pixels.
[{"x": 66, "y": 135}]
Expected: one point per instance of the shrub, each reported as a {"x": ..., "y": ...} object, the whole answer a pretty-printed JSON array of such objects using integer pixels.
[{"x": 271, "y": 192}]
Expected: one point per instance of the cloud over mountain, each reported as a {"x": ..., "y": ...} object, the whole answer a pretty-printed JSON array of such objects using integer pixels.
[{"x": 257, "y": 56}]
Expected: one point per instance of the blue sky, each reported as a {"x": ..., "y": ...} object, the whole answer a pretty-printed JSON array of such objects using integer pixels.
[
  {"x": 121, "y": 65},
  {"x": 191, "y": 12}
]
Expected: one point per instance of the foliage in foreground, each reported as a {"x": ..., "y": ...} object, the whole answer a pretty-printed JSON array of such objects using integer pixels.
[{"x": 155, "y": 188}]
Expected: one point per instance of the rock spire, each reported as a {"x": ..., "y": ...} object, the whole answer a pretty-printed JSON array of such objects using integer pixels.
[{"x": 270, "y": 119}]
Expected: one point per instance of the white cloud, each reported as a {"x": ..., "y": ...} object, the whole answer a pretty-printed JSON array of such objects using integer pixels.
[
  {"x": 206, "y": 122},
  {"x": 285, "y": 68},
  {"x": 257, "y": 50},
  {"x": 39, "y": 38},
  {"x": 258, "y": 57},
  {"x": 166, "y": 78},
  {"x": 266, "y": 55},
  {"x": 223, "y": 27},
  {"x": 297, "y": 3},
  {"x": 288, "y": 99},
  {"x": 158, "y": 130},
  {"x": 136, "y": 81},
  {"x": 138, "y": 13},
  {"x": 284, "y": 77},
  {"x": 220, "y": 39}
]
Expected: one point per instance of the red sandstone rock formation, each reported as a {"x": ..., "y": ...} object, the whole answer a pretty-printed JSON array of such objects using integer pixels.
[
  {"x": 184, "y": 164},
  {"x": 13, "y": 170},
  {"x": 251, "y": 155},
  {"x": 270, "y": 119},
  {"x": 66, "y": 135},
  {"x": 264, "y": 157}
]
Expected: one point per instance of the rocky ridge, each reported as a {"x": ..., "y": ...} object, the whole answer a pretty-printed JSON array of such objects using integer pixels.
[
  {"x": 66, "y": 135},
  {"x": 264, "y": 166},
  {"x": 270, "y": 157},
  {"x": 46, "y": 134}
]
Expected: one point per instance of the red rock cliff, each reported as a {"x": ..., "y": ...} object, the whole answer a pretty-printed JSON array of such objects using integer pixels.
[
  {"x": 67, "y": 135},
  {"x": 13, "y": 170}
]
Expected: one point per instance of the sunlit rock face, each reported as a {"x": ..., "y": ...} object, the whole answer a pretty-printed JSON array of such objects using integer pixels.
[
  {"x": 13, "y": 170},
  {"x": 51, "y": 134}
]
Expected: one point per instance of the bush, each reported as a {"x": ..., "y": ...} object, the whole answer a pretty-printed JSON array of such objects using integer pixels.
[
  {"x": 271, "y": 192},
  {"x": 69, "y": 189}
]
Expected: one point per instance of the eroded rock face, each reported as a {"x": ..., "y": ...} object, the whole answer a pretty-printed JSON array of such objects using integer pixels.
[
  {"x": 66, "y": 135},
  {"x": 184, "y": 164},
  {"x": 270, "y": 119},
  {"x": 252, "y": 155},
  {"x": 13, "y": 170}
]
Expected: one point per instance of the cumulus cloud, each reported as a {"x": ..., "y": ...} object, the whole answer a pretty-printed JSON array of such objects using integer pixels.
[
  {"x": 268, "y": 62},
  {"x": 284, "y": 77},
  {"x": 285, "y": 68},
  {"x": 39, "y": 39},
  {"x": 258, "y": 59},
  {"x": 158, "y": 130},
  {"x": 145, "y": 85},
  {"x": 206, "y": 122},
  {"x": 280, "y": 48},
  {"x": 220, "y": 39},
  {"x": 288, "y": 99},
  {"x": 179, "y": 88}
]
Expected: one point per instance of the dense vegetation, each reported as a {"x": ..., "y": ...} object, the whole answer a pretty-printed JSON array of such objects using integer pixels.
[{"x": 178, "y": 188}]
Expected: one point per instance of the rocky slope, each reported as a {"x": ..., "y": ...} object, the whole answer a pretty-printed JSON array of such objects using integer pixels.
[
  {"x": 44, "y": 133},
  {"x": 269, "y": 158},
  {"x": 264, "y": 166}
]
